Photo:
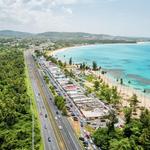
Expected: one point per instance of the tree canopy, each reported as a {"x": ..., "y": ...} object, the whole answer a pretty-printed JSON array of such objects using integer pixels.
[{"x": 15, "y": 113}]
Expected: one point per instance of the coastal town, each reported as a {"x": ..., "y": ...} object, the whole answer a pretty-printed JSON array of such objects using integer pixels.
[
  {"x": 85, "y": 109},
  {"x": 74, "y": 75},
  {"x": 88, "y": 111},
  {"x": 77, "y": 105}
]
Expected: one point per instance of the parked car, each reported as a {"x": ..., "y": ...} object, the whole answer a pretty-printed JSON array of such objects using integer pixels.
[
  {"x": 75, "y": 118},
  {"x": 81, "y": 138},
  {"x": 81, "y": 123},
  {"x": 72, "y": 114},
  {"x": 85, "y": 143}
]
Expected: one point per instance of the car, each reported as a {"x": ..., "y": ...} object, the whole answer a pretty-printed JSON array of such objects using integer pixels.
[
  {"x": 45, "y": 115},
  {"x": 49, "y": 139},
  {"x": 91, "y": 141},
  {"x": 72, "y": 114},
  {"x": 94, "y": 147},
  {"x": 88, "y": 122},
  {"x": 81, "y": 138},
  {"x": 81, "y": 123},
  {"x": 57, "y": 112},
  {"x": 60, "y": 127},
  {"x": 55, "y": 117},
  {"x": 85, "y": 143},
  {"x": 75, "y": 118}
]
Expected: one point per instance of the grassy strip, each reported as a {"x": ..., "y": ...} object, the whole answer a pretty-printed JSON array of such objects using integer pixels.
[{"x": 33, "y": 106}]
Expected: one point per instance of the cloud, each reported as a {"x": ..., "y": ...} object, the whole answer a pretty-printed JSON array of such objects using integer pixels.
[
  {"x": 67, "y": 10},
  {"x": 38, "y": 15},
  {"x": 35, "y": 15}
]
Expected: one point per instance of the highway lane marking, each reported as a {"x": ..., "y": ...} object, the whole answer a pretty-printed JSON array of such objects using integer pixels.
[{"x": 61, "y": 141}]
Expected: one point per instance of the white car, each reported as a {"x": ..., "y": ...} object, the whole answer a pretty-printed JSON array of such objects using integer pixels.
[{"x": 60, "y": 127}]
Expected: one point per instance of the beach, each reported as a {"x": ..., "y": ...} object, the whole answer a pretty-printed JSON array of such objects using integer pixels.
[
  {"x": 125, "y": 91},
  {"x": 54, "y": 52}
]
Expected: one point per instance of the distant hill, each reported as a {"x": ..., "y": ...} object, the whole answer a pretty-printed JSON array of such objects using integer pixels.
[
  {"x": 78, "y": 35},
  {"x": 69, "y": 36},
  {"x": 10, "y": 33}
]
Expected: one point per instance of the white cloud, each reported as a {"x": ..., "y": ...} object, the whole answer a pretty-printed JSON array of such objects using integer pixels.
[
  {"x": 34, "y": 15},
  {"x": 67, "y": 10},
  {"x": 37, "y": 15}
]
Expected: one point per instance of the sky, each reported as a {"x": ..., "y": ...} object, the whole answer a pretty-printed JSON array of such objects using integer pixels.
[{"x": 115, "y": 17}]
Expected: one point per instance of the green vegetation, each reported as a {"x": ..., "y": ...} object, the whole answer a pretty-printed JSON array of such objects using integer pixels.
[
  {"x": 33, "y": 108},
  {"x": 70, "y": 61},
  {"x": 135, "y": 135},
  {"x": 60, "y": 103},
  {"x": 52, "y": 89},
  {"x": 15, "y": 110},
  {"x": 46, "y": 79},
  {"x": 133, "y": 102},
  {"x": 38, "y": 53},
  {"x": 94, "y": 66},
  {"x": 108, "y": 94},
  {"x": 96, "y": 85},
  {"x": 121, "y": 81},
  {"x": 90, "y": 78},
  {"x": 69, "y": 73}
]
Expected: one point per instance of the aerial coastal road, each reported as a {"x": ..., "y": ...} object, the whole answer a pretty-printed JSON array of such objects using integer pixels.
[
  {"x": 67, "y": 131},
  {"x": 50, "y": 142},
  {"x": 61, "y": 130}
]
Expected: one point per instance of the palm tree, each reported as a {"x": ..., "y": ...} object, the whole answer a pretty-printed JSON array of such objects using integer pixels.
[
  {"x": 133, "y": 102},
  {"x": 112, "y": 120},
  {"x": 70, "y": 61},
  {"x": 121, "y": 81},
  {"x": 128, "y": 114},
  {"x": 94, "y": 65},
  {"x": 96, "y": 85}
]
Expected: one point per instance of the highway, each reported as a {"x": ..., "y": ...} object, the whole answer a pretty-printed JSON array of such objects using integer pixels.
[
  {"x": 65, "y": 135},
  {"x": 46, "y": 127}
]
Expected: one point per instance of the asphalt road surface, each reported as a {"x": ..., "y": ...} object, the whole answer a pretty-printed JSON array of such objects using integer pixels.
[
  {"x": 46, "y": 127},
  {"x": 45, "y": 102}
]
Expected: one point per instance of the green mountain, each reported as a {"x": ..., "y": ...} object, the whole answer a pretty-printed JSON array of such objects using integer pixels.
[
  {"x": 70, "y": 36},
  {"x": 10, "y": 33}
]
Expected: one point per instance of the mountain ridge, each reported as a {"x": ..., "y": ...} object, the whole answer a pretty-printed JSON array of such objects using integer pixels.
[{"x": 68, "y": 35}]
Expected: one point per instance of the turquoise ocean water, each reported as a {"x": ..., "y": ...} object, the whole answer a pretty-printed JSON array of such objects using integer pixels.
[{"x": 128, "y": 61}]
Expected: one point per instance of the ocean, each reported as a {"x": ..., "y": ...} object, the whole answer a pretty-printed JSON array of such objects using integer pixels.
[{"x": 128, "y": 61}]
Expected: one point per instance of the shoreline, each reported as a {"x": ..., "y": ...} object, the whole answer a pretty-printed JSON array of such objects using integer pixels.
[
  {"x": 125, "y": 91},
  {"x": 52, "y": 52}
]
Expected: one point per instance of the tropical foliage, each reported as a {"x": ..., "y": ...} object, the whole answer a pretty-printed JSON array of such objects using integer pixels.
[
  {"x": 60, "y": 103},
  {"x": 135, "y": 135},
  {"x": 15, "y": 112}
]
